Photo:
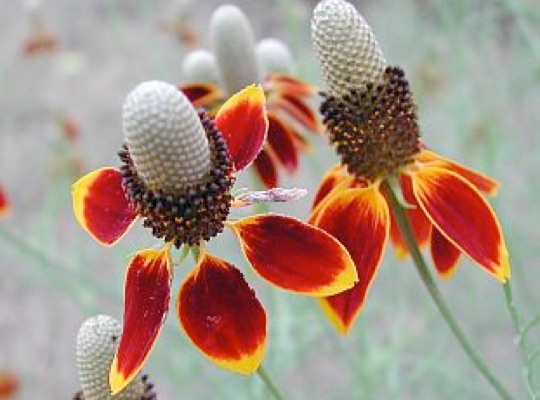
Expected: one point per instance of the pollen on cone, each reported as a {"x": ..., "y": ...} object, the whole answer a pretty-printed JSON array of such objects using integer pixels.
[
  {"x": 233, "y": 44},
  {"x": 165, "y": 137},
  {"x": 97, "y": 341},
  {"x": 348, "y": 52}
]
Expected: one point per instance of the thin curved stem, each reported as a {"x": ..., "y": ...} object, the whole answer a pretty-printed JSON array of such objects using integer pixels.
[
  {"x": 436, "y": 296},
  {"x": 528, "y": 359},
  {"x": 269, "y": 383}
]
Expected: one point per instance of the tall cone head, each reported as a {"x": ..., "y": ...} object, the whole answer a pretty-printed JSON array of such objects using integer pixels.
[
  {"x": 165, "y": 137},
  {"x": 233, "y": 44},
  {"x": 97, "y": 341},
  {"x": 348, "y": 52}
]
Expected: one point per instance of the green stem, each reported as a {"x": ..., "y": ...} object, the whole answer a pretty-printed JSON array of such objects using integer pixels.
[
  {"x": 528, "y": 358},
  {"x": 436, "y": 296},
  {"x": 269, "y": 383}
]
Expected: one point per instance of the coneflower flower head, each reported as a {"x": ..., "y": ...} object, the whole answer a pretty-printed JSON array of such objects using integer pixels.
[
  {"x": 200, "y": 66},
  {"x": 274, "y": 56},
  {"x": 165, "y": 137},
  {"x": 233, "y": 43},
  {"x": 369, "y": 112},
  {"x": 97, "y": 341}
]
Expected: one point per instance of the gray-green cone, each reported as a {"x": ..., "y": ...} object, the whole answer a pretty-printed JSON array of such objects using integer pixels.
[
  {"x": 200, "y": 66},
  {"x": 348, "y": 52},
  {"x": 97, "y": 341},
  {"x": 274, "y": 56},
  {"x": 165, "y": 137},
  {"x": 233, "y": 43}
]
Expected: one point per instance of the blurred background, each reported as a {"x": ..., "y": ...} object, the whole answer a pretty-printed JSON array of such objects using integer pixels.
[{"x": 474, "y": 67}]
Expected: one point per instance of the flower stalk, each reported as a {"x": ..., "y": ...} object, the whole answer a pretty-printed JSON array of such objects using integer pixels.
[
  {"x": 272, "y": 387},
  {"x": 436, "y": 296}
]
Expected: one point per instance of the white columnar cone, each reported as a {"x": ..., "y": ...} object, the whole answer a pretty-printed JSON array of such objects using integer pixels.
[
  {"x": 165, "y": 137},
  {"x": 97, "y": 341},
  {"x": 274, "y": 56},
  {"x": 233, "y": 43},
  {"x": 348, "y": 52},
  {"x": 200, "y": 66}
]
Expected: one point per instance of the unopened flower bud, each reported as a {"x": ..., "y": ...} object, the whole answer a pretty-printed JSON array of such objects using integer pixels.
[
  {"x": 97, "y": 341},
  {"x": 165, "y": 137},
  {"x": 233, "y": 44},
  {"x": 348, "y": 52}
]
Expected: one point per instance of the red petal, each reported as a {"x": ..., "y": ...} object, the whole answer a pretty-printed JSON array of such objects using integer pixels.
[
  {"x": 222, "y": 316},
  {"x": 243, "y": 122},
  {"x": 40, "y": 42},
  {"x": 482, "y": 182},
  {"x": 202, "y": 94},
  {"x": 419, "y": 222},
  {"x": 287, "y": 84},
  {"x": 295, "y": 256},
  {"x": 101, "y": 207},
  {"x": 146, "y": 302},
  {"x": 463, "y": 216},
  {"x": 4, "y": 202},
  {"x": 9, "y": 385},
  {"x": 282, "y": 142},
  {"x": 445, "y": 255},
  {"x": 297, "y": 109},
  {"x": 329, "y": 181},
  {"x": 266, "y": 169},
  {"x": 360, "y": 220}
]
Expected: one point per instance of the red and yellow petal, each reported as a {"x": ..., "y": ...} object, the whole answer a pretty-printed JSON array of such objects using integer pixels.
[
  {"x": 4, "y": 202},
  {"x": 329, "y": 181},
  {"x": 222, "y": 316},
  {"x": 146, "y": 303},
  {"x": 360, "y": 220},
  {"x": 266, "y": 168},
  {"x": 282, "y": 142},
  {"x": 420, "y": 224},
  {"x": 298, "y": 110},
  {"x": 461, "y": 214},
  {"x": 202, "y": 94},
  {"x": 444, "y": 254},
  {"x": 480, "y": 181},
  {"x": 100, "y": 205},
  {"x": 295, "y": 256},
  {"x": 283, "y": 83},
  {"x": 243, "y": 122},
  {"x": 9, "y": 385}
]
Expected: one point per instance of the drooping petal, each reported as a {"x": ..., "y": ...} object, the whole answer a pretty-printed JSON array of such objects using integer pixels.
[
  {"x": 444, "y": 254},
  {"x": 282, "y": 142},
  {"x": 298, "y": 110},
  {"x": 420, "y": 224},
  {"x": 330, "y": 180},
  {"x": 101, "y": 207},
  {"x": 202, "y": 94},
  {"x": 9, "y": 385},
  {"x": 295, "y": 256},
  {"x": 360, "y": 220},
  {"x": 462, "y": 215},
  {"x": 244, "y": 124},
  {"x": 4, "y": 202},
  {"x": 222, "y": 316},
  {"x": 266, "y": 169},
  {"x": 284, "y": 83},
  {"x": 482, "y": 182},
  {"x": 146, "y": 303}
]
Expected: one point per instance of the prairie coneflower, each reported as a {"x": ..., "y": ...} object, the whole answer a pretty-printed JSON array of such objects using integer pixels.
[
  {"x": 41, "y": 40},
  {"x": 177, "y": 173},
  {"x": 371, "y": 120},
  {"x": 9, "y": 385},
  {"x": 289, "y": 111}
]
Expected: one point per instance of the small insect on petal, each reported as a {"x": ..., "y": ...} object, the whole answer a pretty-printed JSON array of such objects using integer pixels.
[
  {"x": 295, "y": 256},
  {"x": 276, "y": 195},
  {"x": 359, "y": 219},
  {"x": 202, "y": 94},
  {"x": 460, "y": 213},
  {"x": 222, "y": 316},
  {"x": 4, "y": 202},
  {"x": 243, "y": 122},
  {"x": 445, "y": 255},
  {"x": 146, "y": 303},
  {"x": 101, "y": 207}
]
